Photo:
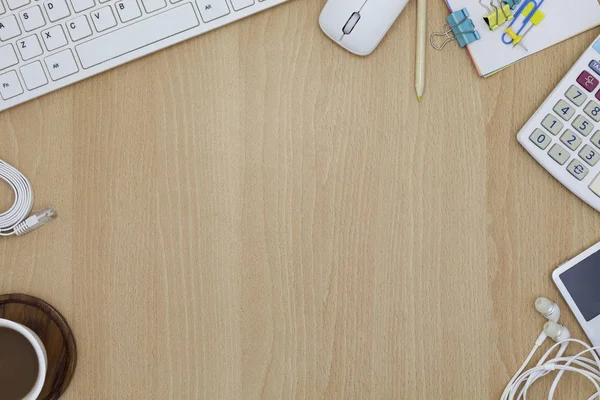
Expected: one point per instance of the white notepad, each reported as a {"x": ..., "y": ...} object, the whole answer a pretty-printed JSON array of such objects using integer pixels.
[{"x": 564, "y": 19}]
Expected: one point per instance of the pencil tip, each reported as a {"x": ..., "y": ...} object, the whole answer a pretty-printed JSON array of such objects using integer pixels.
[{"x": 419, "y": 98}]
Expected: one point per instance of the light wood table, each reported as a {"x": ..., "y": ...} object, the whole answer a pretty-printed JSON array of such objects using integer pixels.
[{"x": 256, "y": 213}]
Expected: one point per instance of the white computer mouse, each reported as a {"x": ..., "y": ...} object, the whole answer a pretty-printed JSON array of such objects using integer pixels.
[{"x": 359, "y": 25}]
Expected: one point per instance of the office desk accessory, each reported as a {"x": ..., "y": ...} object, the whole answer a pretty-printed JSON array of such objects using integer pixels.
[
  {"x": 44, "y": 47},
  {"x": 458, "y": 27},
  {"x": 512, "y": 3},
  {"x": 358, "y": 25},
  {"x": 585, "y": 363},
  {"x": 563, "y": 20},
  {"x": 578, "y": 281},
  {"x": 17, "y": 219},
  {"x": 526, "y": 18},
  {"x": 421, "y": 40},
  {"x": 563, "y": 135},
  {"x": 497, "y": 17},
  {"x": 53, "y": 330}
]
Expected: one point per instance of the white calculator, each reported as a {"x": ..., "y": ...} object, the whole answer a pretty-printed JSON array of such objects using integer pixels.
[{"x": 564, "y": 133}]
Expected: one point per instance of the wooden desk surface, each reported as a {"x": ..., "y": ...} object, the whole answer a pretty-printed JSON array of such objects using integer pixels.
[{"x": 256, "y": 213}]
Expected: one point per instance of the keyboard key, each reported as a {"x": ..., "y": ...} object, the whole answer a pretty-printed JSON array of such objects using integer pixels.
[
  {"x": 57, "y": 10},
  {"x": 34, "y": 75},
  {"x": 9, "y": 28},
  {"x": 564, "y": 110},
  {"x": 29, "y": 47},
  {"x": 212, "y": 9},
  {"x": 593, "y": 110},
  {"x": 61, "y": 65},
  {"x": 10, "y": 85},
  {"x": 589, "y": 155},
  {"x": 14, "y": 4},
  {"x": 596, "y": 139},
  {"x": 577, "y": 169},
  {"x": 54, "y": 38},
  {"x": 541, "y": 139},
  {"x": 82, "y": 5},
  {"x": 2, "y": 9},
  {"x": 8, "y": 57},
  {"x": 583, "y": 125},
  {"x": 570, "y": 139},
  {"x": 559, "y": 154},
  {"x": 153, "y": 5},
  {"x": 595, "y": 186},
  {"x": 128, "y": 10},
  {"x": 587, "y": 81},
  {"x": 136, "y": 36},
  {"x": 103, "y": 19},
  {"x": 32, "y": 18},
  {"x": 79, "y": 28},
  {"x": 240, "y": 4},
  {"x": 576, "y": 95},
  {"x": 552, "y": 124}
]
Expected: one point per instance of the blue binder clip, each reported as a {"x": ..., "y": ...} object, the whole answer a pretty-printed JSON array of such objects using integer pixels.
[
  {"x": 512, "y": 3},
  {"x": 459, "y": 27}
]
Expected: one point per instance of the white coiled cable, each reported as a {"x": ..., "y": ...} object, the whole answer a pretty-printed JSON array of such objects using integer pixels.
[{"x": 15, "y": 220}]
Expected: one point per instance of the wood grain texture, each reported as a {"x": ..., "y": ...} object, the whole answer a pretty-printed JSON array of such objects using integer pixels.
[{"x": 257, "y": 214}]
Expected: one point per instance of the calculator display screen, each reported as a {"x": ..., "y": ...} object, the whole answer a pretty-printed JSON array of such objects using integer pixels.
[{"x": 583, "y": 283}]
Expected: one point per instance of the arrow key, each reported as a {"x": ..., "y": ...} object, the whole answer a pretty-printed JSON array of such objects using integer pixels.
[{"x": 61, "y": 65}]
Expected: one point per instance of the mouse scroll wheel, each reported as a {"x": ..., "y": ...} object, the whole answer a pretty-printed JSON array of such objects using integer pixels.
[{"x": 351, "y": 23}]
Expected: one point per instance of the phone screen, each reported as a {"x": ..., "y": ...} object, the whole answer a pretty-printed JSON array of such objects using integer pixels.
[{"x": 583, "y": 283}]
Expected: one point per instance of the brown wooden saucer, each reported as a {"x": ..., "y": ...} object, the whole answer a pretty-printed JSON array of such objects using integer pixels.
[{"x": 54, "y": 332}]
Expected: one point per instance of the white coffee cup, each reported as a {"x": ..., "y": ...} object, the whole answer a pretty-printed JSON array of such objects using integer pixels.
[{"x": 40, "y": 351}]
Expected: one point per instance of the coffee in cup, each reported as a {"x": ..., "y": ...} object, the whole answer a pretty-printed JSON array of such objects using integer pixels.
[{"x": 23, "y": 362}]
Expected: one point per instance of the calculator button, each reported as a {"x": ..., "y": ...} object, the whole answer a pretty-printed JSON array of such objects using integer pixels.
[
  {"x": 577, "y": 169},
  {"x": 570, "y": 139},
  {"x": 588, "y": 81},
  {"x": 575, "y": 95},
  {"x": 582, "y": 125},
  {"x": 589, "y": 155},
  {"x": 595, "y": 66},
  {"x": 595, "y": 186},
  {"x": 552, "y": 124},
  {"x": 559, "y": 154},
  {"x": 593, "y": 110},
  {"x": 565, "y": 110},
  {"x": 596, "y": 139},
  {"x": 540, "y": 139}
]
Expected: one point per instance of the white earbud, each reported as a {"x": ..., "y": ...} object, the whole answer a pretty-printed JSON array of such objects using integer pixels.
[
  {"x": 548, "y": 309},
  {"x": 556, "y": 331}
]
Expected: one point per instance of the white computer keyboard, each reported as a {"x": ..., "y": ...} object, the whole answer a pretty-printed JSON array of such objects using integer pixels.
[
  {"x": 564, "y": 133},
  {"x": 49, "y": 44}
]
